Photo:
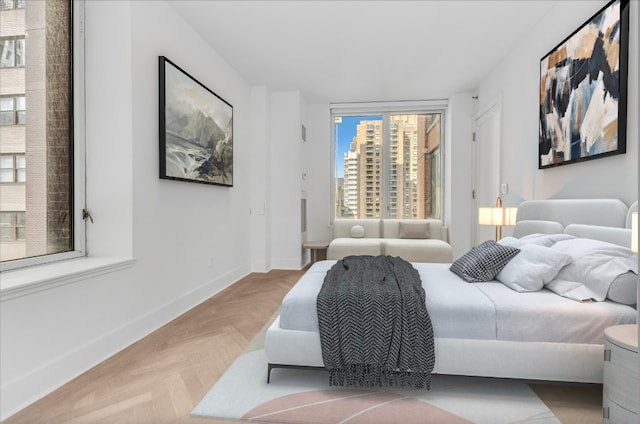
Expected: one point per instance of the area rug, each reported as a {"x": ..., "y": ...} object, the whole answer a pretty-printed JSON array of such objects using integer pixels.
[{"x": 305, "y": 397}]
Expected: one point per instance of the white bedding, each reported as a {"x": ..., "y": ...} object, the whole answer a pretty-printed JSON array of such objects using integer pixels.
[
  {"x": 501, "y": 347},
  {"x": 480, "y": 311}
]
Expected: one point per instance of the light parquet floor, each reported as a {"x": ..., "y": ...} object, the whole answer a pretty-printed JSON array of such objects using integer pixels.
[{"x": 161, "y": 378}]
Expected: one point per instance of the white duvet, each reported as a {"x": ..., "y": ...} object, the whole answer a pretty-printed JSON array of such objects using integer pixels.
[
  {"x": 489, "y": 311},
  {"x": 594, "y": 267}
]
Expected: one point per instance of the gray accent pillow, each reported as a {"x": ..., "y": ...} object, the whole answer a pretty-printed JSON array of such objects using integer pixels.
[
  {"x": 624, "y": 289},
  {"x": 484, "y": 262},
  {"x": 414, "y": 230}
]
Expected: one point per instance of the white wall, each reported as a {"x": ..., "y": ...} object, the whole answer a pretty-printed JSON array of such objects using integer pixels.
[
  {"x": 458, "y": 172},
  {"x": 261, "y": 173},
  {"x": 173, "y": 229},
  {"x": 317, "y": 164},
  {"x": 185, "y": 235},
  {"x": 286, "y": 111},
  {"x": 516, "y": 78}
]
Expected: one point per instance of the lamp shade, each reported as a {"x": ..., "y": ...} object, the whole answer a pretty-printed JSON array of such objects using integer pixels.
[
  {"x": 634, "y": 232},
  {"x": 497, "y": 216}
]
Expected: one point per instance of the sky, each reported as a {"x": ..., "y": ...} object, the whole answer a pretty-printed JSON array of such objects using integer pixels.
[{"x": 343, "y": 134}]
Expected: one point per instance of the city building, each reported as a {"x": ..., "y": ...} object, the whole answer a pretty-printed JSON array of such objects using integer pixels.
[
  {"x": 398, "y": 167},
  {"x": 35, "y": 131}
]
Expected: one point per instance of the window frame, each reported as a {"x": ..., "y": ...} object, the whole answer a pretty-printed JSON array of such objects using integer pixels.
[
  {"x": 15, "y": 179},
  {"x": 15, "y": 39},
  {"x": 15, "y": 225},
  {"x": 15, "y": 120},
  {"x": 78, "y": 186},
  {"x": 386, "y": 110},
  {"x": 15, "y": 4}
]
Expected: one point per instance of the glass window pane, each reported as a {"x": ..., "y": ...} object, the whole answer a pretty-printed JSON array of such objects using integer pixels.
[
  {"x": 6, "y": 175},
  {"x": 21, "y": 103},
  {"x": 6, "y": 118},
  {"x": 7, "y": 233},
  {"x": 6, "y": 161},
  {"x": 7, "y": 56},
  {"x": 6, "y": 104},
  {"x": 6, "y": 4},
  {"x": 6, "y": 219},
  {"x": 357, "y": 140},
  {"x": 50, "y": 44},
  {"x": 410, "y": 190},
  {"x": 20, "y": 48},
  {"x": 436, "y": 186}
]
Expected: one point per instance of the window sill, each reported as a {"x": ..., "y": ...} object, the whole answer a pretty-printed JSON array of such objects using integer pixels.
[{"x": 25, "y": 281}]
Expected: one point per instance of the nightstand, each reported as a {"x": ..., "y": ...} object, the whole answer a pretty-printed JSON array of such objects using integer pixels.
[
  {"x": 318, "y": 250},
  {"x": 621, "y": 385}
]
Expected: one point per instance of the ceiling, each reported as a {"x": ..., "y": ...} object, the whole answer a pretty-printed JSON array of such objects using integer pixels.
[{"x": 355, "y": 51}]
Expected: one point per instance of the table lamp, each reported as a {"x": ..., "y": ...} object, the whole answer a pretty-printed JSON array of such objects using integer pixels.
[{"x": 497, "y": 216}]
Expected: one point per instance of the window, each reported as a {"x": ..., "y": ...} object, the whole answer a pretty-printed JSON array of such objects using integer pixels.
[
  {"x": 12, "y": 226},
  {"x": 12, "y": 51},
  {"x": 13, "y": 169},
  {"x": 12, "y": 4},
  {"x": 403, "y": 173},
  {"x": 13, "y": 110},
  {"x": 37, "y": 217}
]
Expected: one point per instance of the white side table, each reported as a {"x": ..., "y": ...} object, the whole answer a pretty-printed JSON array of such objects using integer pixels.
[
  {"x": 621, "y": 386},
  {"x": 318, "y": 250}
]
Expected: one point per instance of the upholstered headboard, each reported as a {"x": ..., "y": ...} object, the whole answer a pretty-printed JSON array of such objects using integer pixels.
[{"x": 600, "y": 219}]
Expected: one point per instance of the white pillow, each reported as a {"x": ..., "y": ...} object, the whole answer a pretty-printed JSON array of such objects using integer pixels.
[
  {"x": 510, "y": 241},
  {"x": 357, "y": 231},
  {"x": 546, "y": 240},
  {"x": 532, "y": 268},
  {"x": 595, "y": 266}
]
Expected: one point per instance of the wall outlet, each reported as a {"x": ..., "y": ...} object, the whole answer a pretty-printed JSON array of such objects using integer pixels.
[{"x": 504, "y": 188}]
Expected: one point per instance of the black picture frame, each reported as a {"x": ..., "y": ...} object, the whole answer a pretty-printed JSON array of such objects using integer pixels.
[
  {"x": 583, "y": 91},
  {"x": 196, "y": 129}
]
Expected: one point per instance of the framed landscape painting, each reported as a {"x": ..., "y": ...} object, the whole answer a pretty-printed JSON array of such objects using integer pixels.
[
  {"x": 196, "y": 130},
  {"x": 583, "y": 91}
]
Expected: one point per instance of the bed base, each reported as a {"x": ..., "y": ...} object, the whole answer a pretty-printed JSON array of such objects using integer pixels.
[
  {"x": 569, "y": 362},
  {"x": 271, "y": 367}
]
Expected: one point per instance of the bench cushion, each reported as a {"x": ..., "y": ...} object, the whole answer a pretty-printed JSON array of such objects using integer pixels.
[
  {"x": 341, "y": 247},
  {"x": 418, "y": 250}
]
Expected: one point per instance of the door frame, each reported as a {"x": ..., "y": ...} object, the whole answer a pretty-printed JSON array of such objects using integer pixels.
[{"x": 492, "y": 109}]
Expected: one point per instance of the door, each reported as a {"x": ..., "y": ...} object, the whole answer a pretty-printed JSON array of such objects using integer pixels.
[{"x": 486, "y": 166}]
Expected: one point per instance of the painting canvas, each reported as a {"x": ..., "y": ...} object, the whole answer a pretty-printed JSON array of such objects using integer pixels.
[
  {"x": 196, "y": 130},
  {"x": 583, "y": 89}
]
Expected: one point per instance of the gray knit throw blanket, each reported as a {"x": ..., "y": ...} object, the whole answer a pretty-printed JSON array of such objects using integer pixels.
[{"x": 374, "y": 325}]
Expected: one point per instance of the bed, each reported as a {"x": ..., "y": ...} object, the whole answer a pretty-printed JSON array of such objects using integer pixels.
[{"x": 493, "y": 329}]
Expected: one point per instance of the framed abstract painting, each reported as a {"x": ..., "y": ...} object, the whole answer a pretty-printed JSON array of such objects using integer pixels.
[
  {"x": 583, "y": 91},
  {"x": 196, "y": 130}
]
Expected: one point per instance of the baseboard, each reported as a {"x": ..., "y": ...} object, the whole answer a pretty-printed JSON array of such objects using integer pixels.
[
  {"x": 284, "y": 263},
  {"x": 21, "y": 392},
  {"x": 260, "y": 266}
]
